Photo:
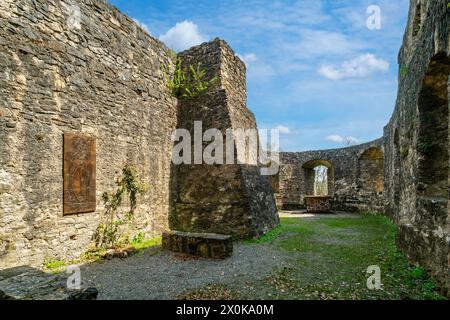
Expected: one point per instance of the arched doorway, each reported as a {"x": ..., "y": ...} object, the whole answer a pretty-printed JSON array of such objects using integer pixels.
[
  {"x": 371, "y": 170},
  {"x": 319, "y": 178},
  {"x": 432, "y": 143}
]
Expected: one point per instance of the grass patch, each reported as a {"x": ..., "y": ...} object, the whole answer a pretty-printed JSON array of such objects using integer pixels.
[
  {"x": 54, "y": 265},
  {"x": 269, "y": 237},
  {"x": 329, "y": 258},
  {"x": 139, "y": 244},
  {"x": 145, "y": 244}
]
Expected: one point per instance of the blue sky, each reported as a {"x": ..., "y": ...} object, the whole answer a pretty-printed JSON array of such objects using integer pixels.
[{"x": 314, "y": 68}]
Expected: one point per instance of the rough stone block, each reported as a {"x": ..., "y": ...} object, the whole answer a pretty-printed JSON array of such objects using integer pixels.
[
  {"x": 316, "y": 204},
  {"x": 4, "y": 296},
  {"x": 88, "y": 294},
  {"x": 206, "y": 245}
]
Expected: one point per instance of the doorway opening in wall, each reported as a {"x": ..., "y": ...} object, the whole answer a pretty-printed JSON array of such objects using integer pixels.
[
  {"x": 319, "y": 178},
  {"x": 432, "y": 145}
]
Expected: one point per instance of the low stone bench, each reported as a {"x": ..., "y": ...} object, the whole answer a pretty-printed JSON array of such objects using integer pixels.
[{"x": 206, "y": 245}]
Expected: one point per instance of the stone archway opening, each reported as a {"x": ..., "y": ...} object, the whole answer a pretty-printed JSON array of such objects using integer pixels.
[
  {"x": 371, "y": 170},
  {"x": 432, "y": 143},
  {"x": 319, "y": 178}
]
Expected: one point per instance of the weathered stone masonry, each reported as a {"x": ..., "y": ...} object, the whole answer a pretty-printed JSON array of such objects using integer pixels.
[
  {"x": 103, "y": 77},
  {"x": 416, "y": 151},
  {"x": 355, "y": 177},
  {"x": 103, "y": 80},
  {"x": 226, "y": 198},
  {"x": 416, "y": 141}
]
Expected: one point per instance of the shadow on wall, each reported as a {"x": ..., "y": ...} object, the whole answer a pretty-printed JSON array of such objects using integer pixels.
[
  {"x": 371, "y": 170},
  {"x": 432, "y": 146}
]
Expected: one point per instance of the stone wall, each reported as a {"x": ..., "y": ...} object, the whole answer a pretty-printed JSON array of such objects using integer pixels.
[
  {"x": 231, "y": 199},
  {"x": 355, "y": 177},
  {"x": 83, "y": 67},
  {"x": 103, "y": 78},
  {"x": 417, "y": 141},
  {"x": 80, "y": 66}
]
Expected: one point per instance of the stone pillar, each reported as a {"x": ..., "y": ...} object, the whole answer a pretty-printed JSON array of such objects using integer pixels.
[{"x": 233, "y": 199}]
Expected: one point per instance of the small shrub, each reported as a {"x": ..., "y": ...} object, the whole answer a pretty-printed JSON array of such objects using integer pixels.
[{"x": 190, "y": 84}]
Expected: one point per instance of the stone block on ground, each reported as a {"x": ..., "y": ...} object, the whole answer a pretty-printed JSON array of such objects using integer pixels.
[
  {"x": 4, "y": 296},
  {"x": 87, "y": 294},
  {"x": 318, "y": 204},
  {"x": 205, "y": 245}
]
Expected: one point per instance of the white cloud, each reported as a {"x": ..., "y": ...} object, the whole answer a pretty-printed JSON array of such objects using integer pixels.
[
  {"x": 182, "y": 36},
  {"x": 256, "y": 68},
  {"x": 283, "y": 129},
  {"x": 341, "y": 139},
  {"x": 360, "y": 67},
  {"x": 314, "y": 43},
  {"x": 142, "y": 25},
  {"x": 274, "y": 15},
  {"x": 248, "y": 58}
]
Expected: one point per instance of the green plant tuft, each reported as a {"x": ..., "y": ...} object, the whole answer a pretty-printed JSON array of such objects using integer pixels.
[
  {"x": 418, "y": 273},
  {"x": 403, "y": 71},
  {"x": 54, "y": 264},
  {"x": 404, "y": 153}
]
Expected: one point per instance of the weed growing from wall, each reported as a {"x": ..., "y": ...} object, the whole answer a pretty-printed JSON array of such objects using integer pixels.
[
  {"x": 188, "y": 84},
  {"x": 403, "y": 71}
]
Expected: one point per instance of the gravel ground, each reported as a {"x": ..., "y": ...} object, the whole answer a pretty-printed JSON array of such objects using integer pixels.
[
  {"x": 156, "y": 274},
  {"x": 166, "y": 275}
]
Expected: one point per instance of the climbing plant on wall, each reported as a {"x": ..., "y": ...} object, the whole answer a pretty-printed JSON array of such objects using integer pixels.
[
  {"x": 190, "y": 82},
  {"x": 108, "y": 232}
]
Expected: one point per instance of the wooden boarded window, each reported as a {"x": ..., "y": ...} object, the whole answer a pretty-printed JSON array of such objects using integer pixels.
[{"x": 79, "y": 174}]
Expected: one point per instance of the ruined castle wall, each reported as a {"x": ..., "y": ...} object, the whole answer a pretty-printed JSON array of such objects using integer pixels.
[
  {"x": 355, "y": 177},
  {"x": 417, "y": 141},
  {"x": 224, "y": 198},
  {"x": 101, "y": 77}
]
